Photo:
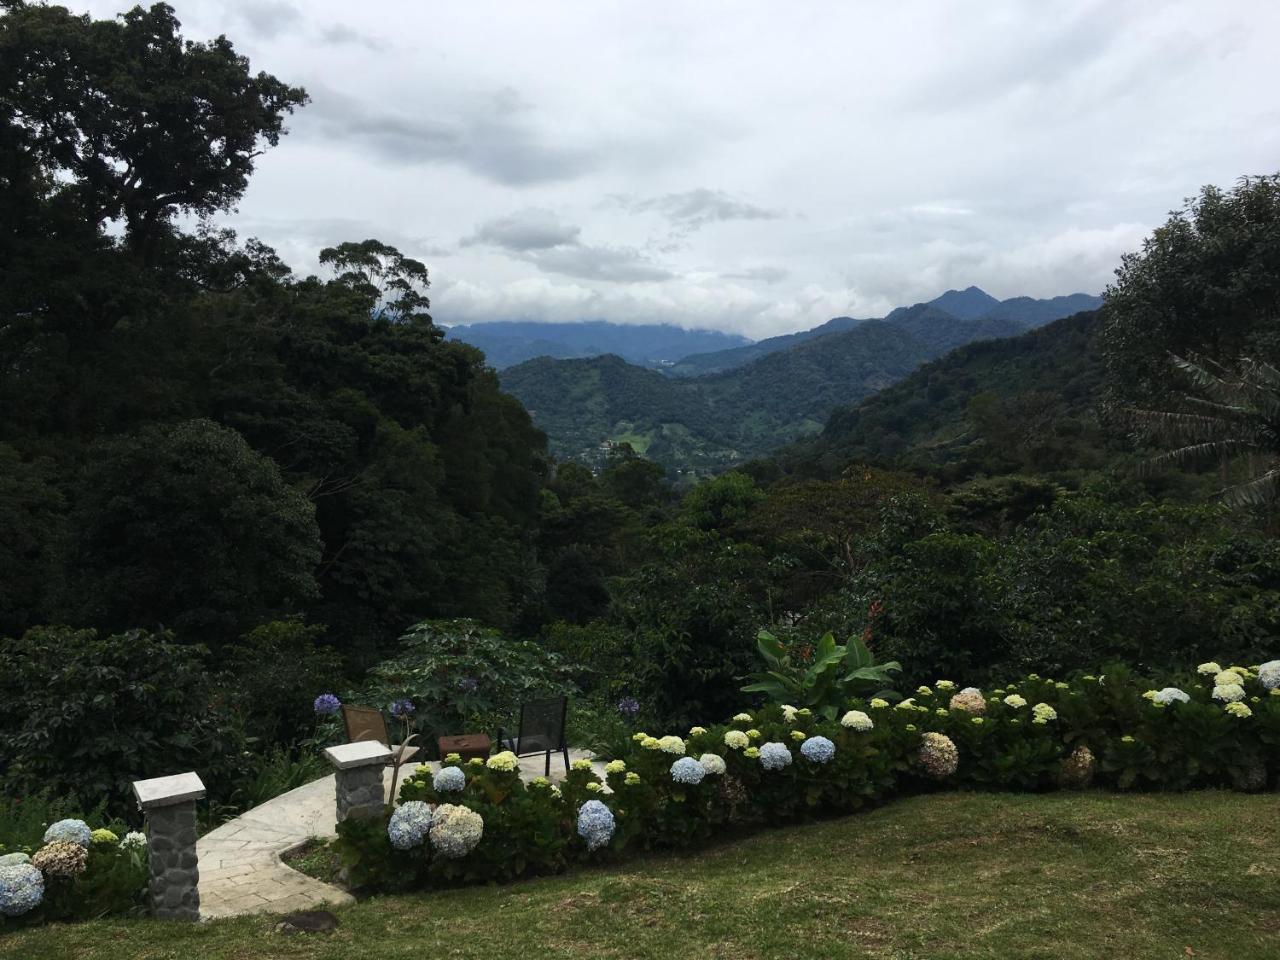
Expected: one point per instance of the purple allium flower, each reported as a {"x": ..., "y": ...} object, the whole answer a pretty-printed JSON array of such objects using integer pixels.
[
  {"x": 402, "y": 708},
  {"x": 467, "y": 684},
  {"x": 327, "y": 704},
  {"x": 629, "y": 707}
]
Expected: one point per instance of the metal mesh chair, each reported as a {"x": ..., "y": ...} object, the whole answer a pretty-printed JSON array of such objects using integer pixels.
[{"x": 541, "y": 730}]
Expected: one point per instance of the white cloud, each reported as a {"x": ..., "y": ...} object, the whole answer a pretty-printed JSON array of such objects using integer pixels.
[{"x": 775, "y": 170}]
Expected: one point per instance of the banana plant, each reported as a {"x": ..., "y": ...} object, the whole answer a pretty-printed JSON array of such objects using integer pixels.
[{"x": 825, "y": 683}]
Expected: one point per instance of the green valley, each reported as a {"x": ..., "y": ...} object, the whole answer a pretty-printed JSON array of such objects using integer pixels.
[{"x": 702, "y": 424}]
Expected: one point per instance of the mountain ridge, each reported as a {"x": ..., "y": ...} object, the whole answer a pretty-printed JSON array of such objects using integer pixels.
[
  {"x": 506, "y": 343},
  {"x": 972, "y": 302}
]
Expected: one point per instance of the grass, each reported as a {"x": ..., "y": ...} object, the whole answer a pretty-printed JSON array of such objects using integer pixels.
[{"x": 951, "y": 875}]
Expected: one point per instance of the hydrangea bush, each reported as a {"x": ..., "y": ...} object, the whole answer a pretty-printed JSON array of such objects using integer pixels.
[
  {"x": 70, "y": 871},
  {"x": 780, "y": 763}
]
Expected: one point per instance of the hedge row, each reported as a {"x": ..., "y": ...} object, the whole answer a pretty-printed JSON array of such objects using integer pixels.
[{"x": 479, "y": 821}]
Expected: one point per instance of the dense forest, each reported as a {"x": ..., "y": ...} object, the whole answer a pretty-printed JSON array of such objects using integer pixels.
[{"x": 226, "y": 487}]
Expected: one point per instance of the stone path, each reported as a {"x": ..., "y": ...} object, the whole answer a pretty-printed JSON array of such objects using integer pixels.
[{"x": 240, "y": 866}]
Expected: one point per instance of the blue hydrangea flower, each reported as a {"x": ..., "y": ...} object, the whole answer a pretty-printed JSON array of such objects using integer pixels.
[
  {"x": 449, "y": 779},
  {"x": 402, "y": 708},
  {"x": 629, "y": 707},
  {"x": 21, "y": 889},
  {"x": 595, "y": 824},
  {"x": 688, "y": 770},
  {"x": 326, "y": 704},
  {"x": 75, "y": 831},
  {"x": 775, "y": 756},
  {"x": 818, "y": 749},
  {"x": 409, "y": 825}
]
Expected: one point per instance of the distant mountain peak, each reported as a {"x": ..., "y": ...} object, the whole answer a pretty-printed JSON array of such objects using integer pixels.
[{"x": 967, "y": 304}]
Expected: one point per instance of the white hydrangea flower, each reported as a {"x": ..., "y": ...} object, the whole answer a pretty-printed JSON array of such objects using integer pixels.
[
  {"x": 615, "y": 766},
  {"x": 1269, "y": 674},
  {"x": 671, "y": 745},
  {"x": 1016, "y": 701},
  {"x": 1228, "y": 692},
  {"x": 856, "y": 720},
  {"x": 742, "y": 718},
  {"x": 1206, "y": 669},
  {"x": 736, "y": 740},
  {"x": 712, "y": 763},
  {"x": 1240, "y": 710},
  {"x": 789, "y": 713},
  {"x": 1225, "y": 678},
  {"x": 1170, "y": 695},
  {"x": 455, "y": 830},
  {"x": 134, "y": 840}
]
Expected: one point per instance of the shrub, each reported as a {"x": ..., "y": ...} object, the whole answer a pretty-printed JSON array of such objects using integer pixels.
[
  {"x": 463, "y": 676},
  {"x": 272, "y": 676},
  {"x": 780, "y": 764},
  {"x": 85, "y": 715},
  {"x": 66, "y": 871}
]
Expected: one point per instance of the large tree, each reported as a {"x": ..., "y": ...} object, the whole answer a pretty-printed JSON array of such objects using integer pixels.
[
  {"x": 1206, "y": 282},
  {"x": 131, "y": 120},
  {"x": 187, "y": 526}
]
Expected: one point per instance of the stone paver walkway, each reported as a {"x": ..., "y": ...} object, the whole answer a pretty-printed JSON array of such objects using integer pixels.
[{"x": 240, "y": 866}]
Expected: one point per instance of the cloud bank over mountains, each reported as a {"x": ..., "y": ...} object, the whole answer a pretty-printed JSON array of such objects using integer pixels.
[{"x": 745, "y": 166}]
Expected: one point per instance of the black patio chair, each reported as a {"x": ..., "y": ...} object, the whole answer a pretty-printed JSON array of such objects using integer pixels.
[{"x": 541, "y": 731}]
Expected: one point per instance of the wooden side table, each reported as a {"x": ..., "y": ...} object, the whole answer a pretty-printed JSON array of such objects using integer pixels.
[{"x": 467, "y": 746}]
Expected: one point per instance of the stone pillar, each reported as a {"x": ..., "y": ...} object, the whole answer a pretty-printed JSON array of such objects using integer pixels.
[
  {"x": 359, "y": 788},
  {"x": 170, "y": 806}
]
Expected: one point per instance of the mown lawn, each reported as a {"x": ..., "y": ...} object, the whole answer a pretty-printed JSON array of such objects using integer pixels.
[{"x": 952, "y": 875}]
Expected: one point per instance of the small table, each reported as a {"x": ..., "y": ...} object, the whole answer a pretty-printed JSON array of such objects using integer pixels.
[{"x": 467, "y": 746}]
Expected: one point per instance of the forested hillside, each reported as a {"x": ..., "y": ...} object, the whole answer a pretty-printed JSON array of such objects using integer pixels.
[
  {"x": 1028, "y": 402},
  {"x": 699, "y": 424},
  {"x": 192, "y": 436},
  {"x": 969, "y": 304},
  {"x": 718, "y": 360}
]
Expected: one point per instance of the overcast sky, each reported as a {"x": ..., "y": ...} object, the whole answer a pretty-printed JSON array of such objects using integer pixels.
[{"x": 751, "y": 166}]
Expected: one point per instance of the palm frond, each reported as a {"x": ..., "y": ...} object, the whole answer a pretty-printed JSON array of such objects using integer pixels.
[
  {"x": 1231, "y": 414},
  {"x": 1256, "y": 492},
  {"x": 1215, "y": 450}
]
